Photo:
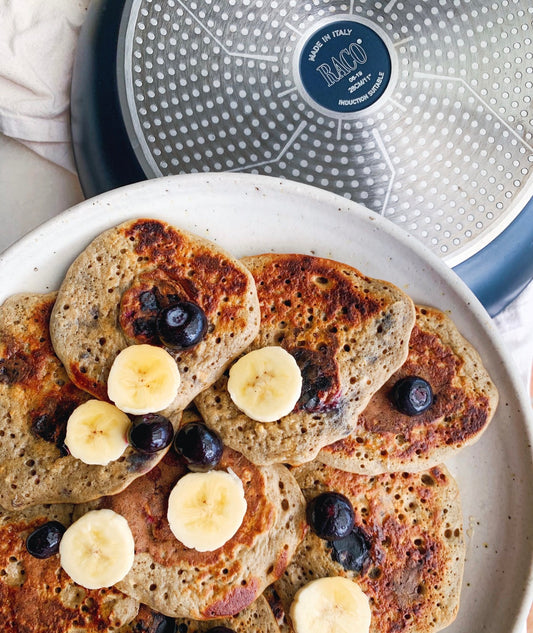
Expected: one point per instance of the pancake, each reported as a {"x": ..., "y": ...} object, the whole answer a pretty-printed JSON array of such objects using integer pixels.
[
  {"x": 464, "y": 402},
  {"x": 181, "y": 582},
  {"x": 412, "y": 526},
  {"x": 347, "y": 332},
  {"x": 36, "y": 399},
  {"x": 114, "y": 289},
  {"x": 37, "y": 596},
  {"x": 257, "y": 618}
]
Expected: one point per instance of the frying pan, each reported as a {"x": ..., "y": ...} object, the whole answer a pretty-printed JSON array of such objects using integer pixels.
[{"x": 417, "y": 110}]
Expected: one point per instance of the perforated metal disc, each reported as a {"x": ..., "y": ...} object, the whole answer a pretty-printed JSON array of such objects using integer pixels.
[{"x": 420, "y": 110}]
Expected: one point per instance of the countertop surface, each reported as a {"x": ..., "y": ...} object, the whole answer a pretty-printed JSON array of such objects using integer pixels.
[{"x": 32, "y": 190}]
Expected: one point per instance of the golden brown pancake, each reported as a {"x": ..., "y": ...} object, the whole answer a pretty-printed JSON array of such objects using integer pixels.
[
  {"x": 412, "y": 563},
  {"x": 181, "y": 582},
  {"x": 112, "y": 292},
  {"x": 347, "y": 332},
  {"x": 37, "y": 596},
  {"x": 465, "y": 399},
  {"x": 36, "y": 399},
  {"x": 257, "y": 618}
]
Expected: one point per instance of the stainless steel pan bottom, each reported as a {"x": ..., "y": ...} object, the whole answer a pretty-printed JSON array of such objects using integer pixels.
[{"x": 420, "y": 110}]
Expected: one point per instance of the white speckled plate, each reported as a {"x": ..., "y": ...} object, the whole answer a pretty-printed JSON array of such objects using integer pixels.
[{"x": 251, "y": 214}]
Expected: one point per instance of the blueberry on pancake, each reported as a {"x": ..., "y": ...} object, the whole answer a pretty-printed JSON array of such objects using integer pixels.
[
  {"x": 199, "y": 579},
  {"x": 145, "y": 282},
  {"x": 345, "y": 332},
  {"x": 36, "y": 400},
  {"x": 38, "y": 596},
  {"x": 391, "y": 437},
  {"x": 405, "y": 551}
]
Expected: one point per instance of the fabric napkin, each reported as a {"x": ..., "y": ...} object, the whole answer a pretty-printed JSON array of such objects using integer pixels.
[
  {"x": 37, "y": 43},
  {"x": 515, "y": 324}
]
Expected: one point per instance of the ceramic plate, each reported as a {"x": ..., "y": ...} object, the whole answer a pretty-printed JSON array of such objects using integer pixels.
[{"x": 248, "y": 215}]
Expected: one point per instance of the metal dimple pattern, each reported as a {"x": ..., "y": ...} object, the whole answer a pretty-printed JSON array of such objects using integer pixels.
[{"x": 209, "y": 85}]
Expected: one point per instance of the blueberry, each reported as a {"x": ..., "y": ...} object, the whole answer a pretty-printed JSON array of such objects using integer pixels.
[
  {"x": 50, "y": 424},
  {"x": 330, "y": 515},
  {"x": 199, "y": 446},
  {"x": 149, "y": 300},
  {"x": 150, "y": 433},
  {"x": 165, "y": 624},
  {"x": 352, "y": 550},
  {"x": 181, "y": 325},
  {"x": 44, "y": 541},
  {"x": 318, "y": 379},
  {"x": 412, "y": 395}
]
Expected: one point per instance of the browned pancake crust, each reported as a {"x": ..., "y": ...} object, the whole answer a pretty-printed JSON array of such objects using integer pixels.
[
  {"x": 36, "y": 399},
  {"x": 114, "y": 289},
  {"x": 413, "y": 523},
  {"x": 37, "y": 596},
  {"x": 181, "y": 582},
  {"x": 465, "y": 400},
  {"x": 257, "y": 618},
  {"x": 347, "y": 332}
]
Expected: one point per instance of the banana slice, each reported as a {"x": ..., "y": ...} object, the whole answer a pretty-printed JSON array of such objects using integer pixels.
[
  {"x": 98, "y": 549},
  {"x": 265, "y": 384},
  {"x": 206, "y": 509},
  {"x": 331, "y": 605},
  {"x": 143, "y": 379},
  {"x": 97, "y": 432}
]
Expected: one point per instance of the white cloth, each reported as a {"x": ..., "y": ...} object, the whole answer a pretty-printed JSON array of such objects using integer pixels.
[
  {"x": 515, "y": 324},
  {"x": 37, "y": 43}
]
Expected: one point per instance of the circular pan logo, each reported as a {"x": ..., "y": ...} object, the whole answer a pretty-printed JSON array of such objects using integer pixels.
[{"x": 344, "y": 66}]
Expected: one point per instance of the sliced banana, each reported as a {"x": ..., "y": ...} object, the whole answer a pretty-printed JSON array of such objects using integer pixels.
[
  {"x": 330, "y": 605},
  {"x": 98, "y": 549},
  {"x": 143, "y": 379},
  {"x": 206, "y": 509},
  {"x": 97, "y": 432},
  {"x": 265, "y": 384}
]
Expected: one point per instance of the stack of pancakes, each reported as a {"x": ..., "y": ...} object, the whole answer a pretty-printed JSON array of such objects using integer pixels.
[{"x": 353, "y": 338}]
